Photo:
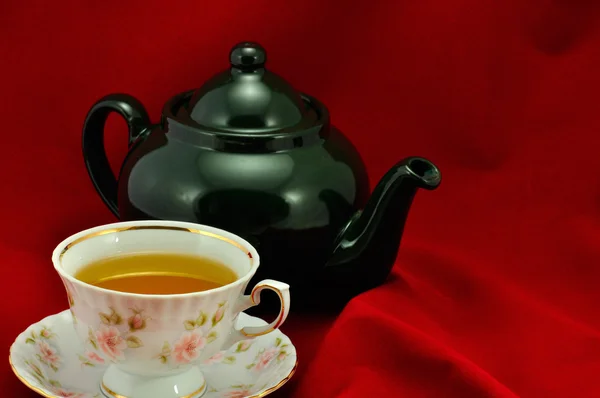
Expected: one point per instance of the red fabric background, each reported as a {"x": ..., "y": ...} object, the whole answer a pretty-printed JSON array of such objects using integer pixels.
[{"x": 496, "y": 289}]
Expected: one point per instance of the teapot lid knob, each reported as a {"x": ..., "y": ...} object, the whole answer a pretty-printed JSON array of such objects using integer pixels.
[
  {"x": 246, "y": 98},
  {"x": 248, "y": 56}
]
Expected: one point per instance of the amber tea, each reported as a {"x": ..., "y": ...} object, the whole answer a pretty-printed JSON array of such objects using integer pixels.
[{"x": 157, "y": 273}]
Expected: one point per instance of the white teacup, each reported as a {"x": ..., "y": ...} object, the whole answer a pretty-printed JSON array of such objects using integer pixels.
[{"x": 154, "y": 342}]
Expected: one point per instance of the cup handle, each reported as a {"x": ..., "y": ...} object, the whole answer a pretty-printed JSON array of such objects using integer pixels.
[{"x": 253, "y": 299}]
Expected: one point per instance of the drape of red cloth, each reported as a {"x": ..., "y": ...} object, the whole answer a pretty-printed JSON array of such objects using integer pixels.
[{"x": 495, "y": 292}]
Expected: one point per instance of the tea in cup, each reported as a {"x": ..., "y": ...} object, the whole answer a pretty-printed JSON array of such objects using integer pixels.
[{"x": 155, "y": 298}]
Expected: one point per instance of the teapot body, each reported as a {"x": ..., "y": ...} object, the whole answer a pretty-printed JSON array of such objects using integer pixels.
[
  {"x": 248, "y": 153},
  {"x": 290, "y": 204}
]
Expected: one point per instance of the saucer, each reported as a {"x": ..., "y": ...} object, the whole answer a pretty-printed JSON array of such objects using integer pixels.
[{"x": 49, "y": 359}]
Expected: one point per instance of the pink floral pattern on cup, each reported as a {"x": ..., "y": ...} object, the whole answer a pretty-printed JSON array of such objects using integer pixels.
[
  {"x": 193, "y": 339},
  {"x": 137, "y": 321},
  {"x": 188, "y": 348},
  {"x": 116, "y": 335},
  {"x": 110, "y": 342},
  {"x": 218, "y": 316}
]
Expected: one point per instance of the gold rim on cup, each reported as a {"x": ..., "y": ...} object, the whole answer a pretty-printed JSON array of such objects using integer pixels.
[{"x": 155, "y": 227}]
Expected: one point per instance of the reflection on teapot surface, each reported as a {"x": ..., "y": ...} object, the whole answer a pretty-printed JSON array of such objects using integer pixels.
[
  {"x": 273, "y": 171},
  {"x": 245, "y": 211}
]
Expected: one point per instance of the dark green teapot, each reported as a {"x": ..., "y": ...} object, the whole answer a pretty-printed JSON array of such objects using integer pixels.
[{"x": 249, "y": 154}]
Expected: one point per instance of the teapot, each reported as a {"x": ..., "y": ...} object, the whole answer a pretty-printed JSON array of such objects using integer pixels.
[{"x": 248, "y": 153}]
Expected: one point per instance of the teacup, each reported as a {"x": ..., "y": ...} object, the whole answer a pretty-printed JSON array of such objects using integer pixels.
[{"x": 154, "y": 343}]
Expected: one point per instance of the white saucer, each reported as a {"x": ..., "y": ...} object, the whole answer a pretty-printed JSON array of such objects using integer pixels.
[{"x": 49, "y": 359}]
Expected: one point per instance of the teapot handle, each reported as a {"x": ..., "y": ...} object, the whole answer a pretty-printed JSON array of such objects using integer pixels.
[{"x": 94, "y": 153}]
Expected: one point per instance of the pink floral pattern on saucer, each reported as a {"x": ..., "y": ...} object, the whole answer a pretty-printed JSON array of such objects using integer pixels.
[
  {"x": 46, "y": 362},
  {"x": 50, "y": 360}
]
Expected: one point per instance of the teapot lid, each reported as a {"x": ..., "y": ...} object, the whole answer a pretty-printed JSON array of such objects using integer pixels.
[{"x": 248, "y": 99}]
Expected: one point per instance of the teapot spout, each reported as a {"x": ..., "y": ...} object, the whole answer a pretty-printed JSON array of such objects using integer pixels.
[{"x": 366, "y": 249}]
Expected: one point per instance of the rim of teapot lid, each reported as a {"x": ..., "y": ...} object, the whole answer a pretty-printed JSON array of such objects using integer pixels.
[{"x": 249, "y": 99}]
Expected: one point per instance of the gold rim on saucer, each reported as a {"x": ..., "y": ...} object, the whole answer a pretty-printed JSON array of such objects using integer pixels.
[{"x": 260, "y": 395}]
